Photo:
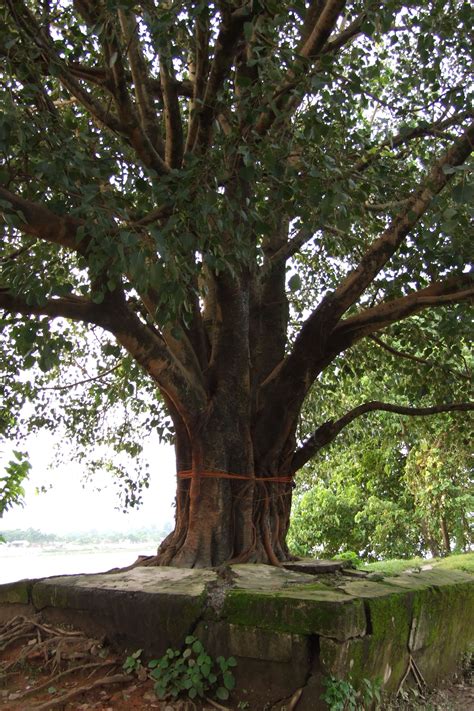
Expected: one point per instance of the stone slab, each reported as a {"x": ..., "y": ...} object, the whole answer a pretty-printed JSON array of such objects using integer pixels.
[
  {"x": 152, "y": 608},
  {"x": 286, "y": 627},
  {"x": 368, "y": 588},
  {"x": 306, "y": 612},
  {"x": 267, "y": 577},
  {"x": 315, "y": 567}
]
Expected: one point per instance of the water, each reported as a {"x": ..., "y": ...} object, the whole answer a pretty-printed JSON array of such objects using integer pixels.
[{"x": 42, "y": 561}]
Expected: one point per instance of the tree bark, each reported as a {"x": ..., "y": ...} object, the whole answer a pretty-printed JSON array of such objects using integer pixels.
[
  {"x": 225, "y": 509},
  {"x": 445, "y": 535}
]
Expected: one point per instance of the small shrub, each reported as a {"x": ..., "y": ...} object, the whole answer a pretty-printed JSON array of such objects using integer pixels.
[
  {"x": 133, "y": 663},
  {"x": 192, "y": 672},
  {"x": 340, "y": 695}
]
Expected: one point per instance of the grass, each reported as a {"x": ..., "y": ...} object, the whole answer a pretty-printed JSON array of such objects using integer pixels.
[{"x": 463, "y": 561}]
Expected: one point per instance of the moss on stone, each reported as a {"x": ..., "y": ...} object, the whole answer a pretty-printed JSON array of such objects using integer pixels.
[
  {"x": 18, "y": 592},
  {"x": 322, "y": 612},
  {"x": 442, "y": 628},
  {"x": 382, "y": 653}
]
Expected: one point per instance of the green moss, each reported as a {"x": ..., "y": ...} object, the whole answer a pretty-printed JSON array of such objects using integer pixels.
[
  {"x": 457, "y": 562},
  {"x": 48, "y": 595},
  {"x": 442, "y": 630},
  {"x": 383, "y": 653},
  {"x": 395, "y": 566},
  {"x": 320, "y": 612},
  {"x": 18, "y": 592},
  {"x": 464, "y": 561}
]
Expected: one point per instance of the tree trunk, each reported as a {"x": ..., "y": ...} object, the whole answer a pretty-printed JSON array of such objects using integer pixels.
[
  {"x": 445, "y": 535},
  {"x": 219, "y": 516}
]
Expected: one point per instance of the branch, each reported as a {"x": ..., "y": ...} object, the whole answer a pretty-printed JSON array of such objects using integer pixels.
[
  {"x": 82, "y": 382},
  {"x": 75, "y": 308},
  {"x": 345, "y": 36},
  {"x": 126, "y": 126},
  {"x": 141, "y": 80},
  {"x": 198, "y": 70},
  {"x": 324, "y": 318},
  {"x": 416, "y": 359},
  {"x": 173, "y": 123},
  {"x": 313, "y": 47},
  {"x": 322, "y": 29},
  {"x": 144, "y": 345},
  {"x": 230, "y": 32},
  {"x": 329, "y": 430},
  {"x": 44, "y": 224},
  {"x": 347, "y": 332},
  {"x": 405, "y": 136}
]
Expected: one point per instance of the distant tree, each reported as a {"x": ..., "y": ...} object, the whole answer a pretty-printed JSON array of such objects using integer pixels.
[
  {"x": 212, "y": 203},
  {"x": 11, "y": 481},
  {"x": 393, "y": 486}
]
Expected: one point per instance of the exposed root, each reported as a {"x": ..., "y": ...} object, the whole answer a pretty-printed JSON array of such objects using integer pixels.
[
  {"x": 216, "y": 705},
  {"x": 104, "y": 681},
  {"x": 294, "y": 701},
  {"x": 417, "y": 675},
  {"x": 93, "y": 666}
]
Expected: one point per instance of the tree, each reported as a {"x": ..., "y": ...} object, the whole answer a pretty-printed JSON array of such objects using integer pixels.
[
  {"x": 173, "y": 171},
  {"x": 395, "y": 486}
]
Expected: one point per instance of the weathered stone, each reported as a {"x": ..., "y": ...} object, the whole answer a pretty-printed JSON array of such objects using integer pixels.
[
  {"x": 322, "y": 612},
  {"x": 267, "y": 577},
  {"x": 269, "y": 664},
  {"x": 315, "y": 567},
  {"x": 18, "y": 592},
  {"x": 287, "y": 629},
  {"x": 442, "y": 629},
  {"x": 382, "y": 653},
  {"x": 252, "y": 642},
  {"x": 366, "y": 588},
  {"x": 429, "y": 578},
  {"x": 152, "y": 608}
]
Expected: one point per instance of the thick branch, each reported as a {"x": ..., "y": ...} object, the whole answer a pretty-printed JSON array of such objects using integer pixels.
[
  {"x": 442, "y": 293},
  {"x": 322, "y": 29},
  {"x": 44, "y": 224},
  {"x": 329, "y": 430},
  {"x": 313, "y": 46},
  {"x": 76, "y": 308},
  {"x": 184, "y": 388},
  {"x": 141, "y": 80},
  {"x": 230, "y": 33},
  {"x": 173, "y": 123},
  {"x": 310, "y": 344}
]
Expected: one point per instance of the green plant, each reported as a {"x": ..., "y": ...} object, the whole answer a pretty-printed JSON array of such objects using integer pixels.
[
  {"x": 192, "y": 672},
  {"x": 351, "y": 557},
  {"x": 133, "y": 662},
  {"x": 340, "y": 695}
]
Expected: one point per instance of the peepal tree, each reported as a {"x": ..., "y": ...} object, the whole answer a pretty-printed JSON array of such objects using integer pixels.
[{"x": 179, "y": 175}]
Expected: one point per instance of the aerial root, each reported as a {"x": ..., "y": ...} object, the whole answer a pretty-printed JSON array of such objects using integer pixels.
[{"x": 417, "y": 675}]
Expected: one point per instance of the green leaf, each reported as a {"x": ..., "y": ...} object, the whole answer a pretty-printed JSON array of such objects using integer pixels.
[{"x": 294, "y": 282}]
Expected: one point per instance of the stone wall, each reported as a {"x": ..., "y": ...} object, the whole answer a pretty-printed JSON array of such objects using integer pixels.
[{"x": 288, "y": 629}]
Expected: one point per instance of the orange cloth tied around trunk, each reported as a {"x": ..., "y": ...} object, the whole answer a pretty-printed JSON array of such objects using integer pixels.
[{"x": 188, "y": 474}]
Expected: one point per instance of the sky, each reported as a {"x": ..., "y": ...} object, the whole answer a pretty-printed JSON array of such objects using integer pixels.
[{"x": 72, "y": 505}]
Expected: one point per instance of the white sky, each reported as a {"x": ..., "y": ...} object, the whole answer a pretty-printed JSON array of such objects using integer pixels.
[{"x": 72, "y": 505}]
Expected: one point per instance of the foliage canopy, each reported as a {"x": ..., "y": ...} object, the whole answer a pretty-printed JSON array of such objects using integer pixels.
[{"x": 229, "y": 197}]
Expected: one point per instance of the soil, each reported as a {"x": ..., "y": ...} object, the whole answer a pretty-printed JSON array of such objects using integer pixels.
[{"x": 45, "y": 668}]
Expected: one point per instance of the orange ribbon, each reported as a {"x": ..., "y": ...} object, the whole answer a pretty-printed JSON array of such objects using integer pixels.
[{"x": 188, "y": 474}]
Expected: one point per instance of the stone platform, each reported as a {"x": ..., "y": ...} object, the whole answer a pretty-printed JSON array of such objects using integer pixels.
[{"x": 288, "y": 629}]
